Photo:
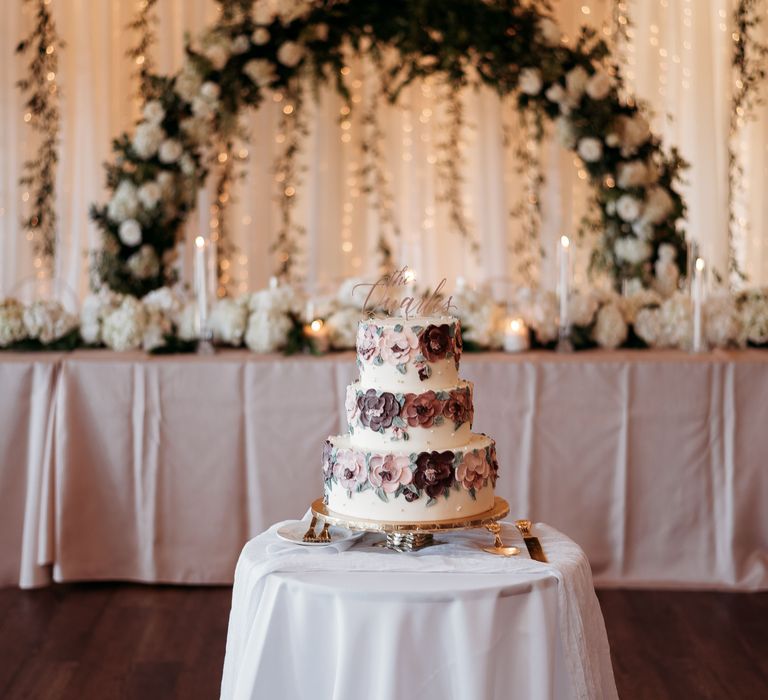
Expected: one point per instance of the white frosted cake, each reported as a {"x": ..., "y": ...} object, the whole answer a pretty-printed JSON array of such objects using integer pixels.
[{"x": 410, "y": 454}]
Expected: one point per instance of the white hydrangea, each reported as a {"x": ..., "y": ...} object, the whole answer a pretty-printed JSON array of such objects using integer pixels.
[
  {"x": 260, "y": 71},
  {"x": 164, "y": 300},
  {"x": 639, "y": 299},
  {"x": 94, "y": 310},
  {"x": 647, "y": 326},
  {"x": 144, "y": 263},
  {"x": 610, "y": 327},
  {"x": 722, "y": 323},
  {"x": 188, "y": 82},
  {"x": 130, "y": 232},
  {"x": 124, "y": 203},
  {"x": 590, "y": 149},
  {"x": 123, "y": 328},
  {"x": 280, "y": 300},
  {"x": 267, "y": 331},
  {"x": 582, "y": 307},
  {"x": 153, "y": 112},
  {"x": 633, "y": 173},
  {"x": 632, "y": 250},
  {"x": 342, "y": 327},
  {"x": 240, "y": 44},
  {"x": 48, "y": 321},
  {"x": 541, "y": 315},
  {"x": 658, "y": 205},
  {"x": 628, "y": 207},
  {"x": 228, "y": 320},
  {"x": 754, "y": 318},
  {"x": 530, "y": 81},
  {"x": 549, "y": 31},
  {"x": 217, "y": 50},
  {"x": 187, "y": 321},
  {"x": 482, "y": 319},
  {"x": 12, "y": 327},
  {"x": 576, "y": 81},
  {"x": 147, "y": 139},
  {"x": 599, "y": 85},
  {"x": 633, "y": 132},
  {"x": 170, "y": 151},
  {"x": 290, "y": 54},
  {"x": 676, "y": 322},
  {"x": 149, "y": 194}
]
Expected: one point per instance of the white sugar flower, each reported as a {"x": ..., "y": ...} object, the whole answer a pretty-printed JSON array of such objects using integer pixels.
[
  {"x": 48, "y": 321},
  {"x": 549, "y": 31},
  {"x": 260, "y": 71},
  {"x": 632, "y": 173},
  {"x": 342, "y": 328},
  {"x": 153, "y": 112},
  {"x": 632, "y": 250},
  {"x": 149, "y": 194},
  {"x": 130, "y": 232},
  {"x": 260, "y": 36},
  {"x": 530, "y": 81},
  {"x": 123, "y": 328},
  {"x": 628, "y": 208},
  {"x": 590, "y": 149},
  {"x": 12, "y": 327},
  {"x": 170, "y": 151},
  {"x": 610, "y": 328},
  {"x": 228, "y": 321},
  {"x": 290, "y": 54},
  {"x": 599, "y": 85},
  {"x": 267, "y": 332},
  {"x": 144, "y": 264},
  {"x": 124, "y": 203},
  {"x": 147, "y": 139}
]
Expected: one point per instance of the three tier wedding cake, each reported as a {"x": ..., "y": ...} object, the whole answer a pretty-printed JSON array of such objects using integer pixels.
[{"x": 410, "y": 455}]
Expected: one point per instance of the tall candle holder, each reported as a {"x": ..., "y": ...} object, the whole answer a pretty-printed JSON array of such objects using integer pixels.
[
  {"x": 564, "y": 343},
  {"x": 204, "y": 333}
]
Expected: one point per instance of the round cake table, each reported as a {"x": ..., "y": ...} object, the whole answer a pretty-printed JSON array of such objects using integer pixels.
[{"x": 348, "y": 622}]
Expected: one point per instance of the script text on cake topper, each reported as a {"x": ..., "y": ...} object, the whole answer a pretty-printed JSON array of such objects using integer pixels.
[{"x": 386, "y": 293}]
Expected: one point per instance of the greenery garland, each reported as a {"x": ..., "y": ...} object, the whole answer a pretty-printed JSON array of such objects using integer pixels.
[
  {"x": 513, "y": 47},
  {"x": 144, "y": 25},
  {"x": 41, "y": 104}
]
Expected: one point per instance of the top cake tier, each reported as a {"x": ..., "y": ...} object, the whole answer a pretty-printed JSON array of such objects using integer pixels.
[{"x": 409, "y": 355}]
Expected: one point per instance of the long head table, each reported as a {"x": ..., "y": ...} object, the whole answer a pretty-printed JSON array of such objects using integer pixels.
[{"x": 123, "y": 466}]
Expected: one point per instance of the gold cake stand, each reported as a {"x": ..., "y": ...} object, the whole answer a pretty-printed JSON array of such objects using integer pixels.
[{"x": 409, "y": 537}]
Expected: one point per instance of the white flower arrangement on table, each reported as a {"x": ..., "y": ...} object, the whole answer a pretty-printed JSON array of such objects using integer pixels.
[{"x": 41, "y": 325}]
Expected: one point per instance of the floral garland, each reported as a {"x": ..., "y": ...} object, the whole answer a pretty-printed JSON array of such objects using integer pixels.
[
  {"x": 144, "y": 24},
  {"x": 427, "y": 475},
  {"x": 514, "y": 48},
  {"x": 42, "y": 114}
]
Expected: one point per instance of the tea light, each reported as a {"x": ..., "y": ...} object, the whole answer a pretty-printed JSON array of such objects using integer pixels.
[
  {"x": 516, "y": 336},
  {"x": 317, "y": 332}
]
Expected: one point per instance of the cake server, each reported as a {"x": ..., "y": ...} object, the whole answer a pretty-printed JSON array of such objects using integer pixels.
[{"x": 531, "y": 541}]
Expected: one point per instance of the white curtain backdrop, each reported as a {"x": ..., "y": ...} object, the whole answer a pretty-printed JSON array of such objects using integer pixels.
[{"x": 677, "y": 59}]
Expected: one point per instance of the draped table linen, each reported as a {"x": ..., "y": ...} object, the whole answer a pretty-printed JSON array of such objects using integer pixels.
[
  {"x": 448, "y": 621},
  {"x": 159, "y": 469}
]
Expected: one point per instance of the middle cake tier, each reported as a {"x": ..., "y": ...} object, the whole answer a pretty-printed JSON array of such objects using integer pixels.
[{"x": 416, "y": 421}]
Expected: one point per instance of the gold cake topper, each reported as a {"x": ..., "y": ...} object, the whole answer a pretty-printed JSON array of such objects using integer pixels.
[{"x": 386, "y": 294}]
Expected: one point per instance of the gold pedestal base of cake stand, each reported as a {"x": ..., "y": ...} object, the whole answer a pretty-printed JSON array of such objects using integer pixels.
[{"x": 408, "y": 537}]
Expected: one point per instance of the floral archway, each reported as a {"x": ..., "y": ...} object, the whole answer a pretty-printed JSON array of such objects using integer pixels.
[{"x": 252, "y": 50}]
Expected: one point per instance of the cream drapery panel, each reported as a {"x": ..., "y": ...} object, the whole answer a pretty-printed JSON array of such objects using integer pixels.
[{"x": 677, "y": 59}]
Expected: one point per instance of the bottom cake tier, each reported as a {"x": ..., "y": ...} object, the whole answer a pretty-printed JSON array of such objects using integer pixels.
[{"x": 409, "y": 487}]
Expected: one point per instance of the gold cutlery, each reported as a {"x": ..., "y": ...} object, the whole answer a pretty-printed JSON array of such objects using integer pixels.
[{"x": 531, "y": 541}]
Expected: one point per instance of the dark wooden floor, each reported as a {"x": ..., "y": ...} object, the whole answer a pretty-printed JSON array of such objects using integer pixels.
[{"x": 98, "y": 642}]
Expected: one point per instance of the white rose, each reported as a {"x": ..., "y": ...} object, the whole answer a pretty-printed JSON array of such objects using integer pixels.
[
  {"x": 290, "y": 54},
  {"x": 599, "y": 85},
  {"x": 164, "y": 300},
  {"x": 631, "y": 250},
  {"x": 149, "y": 194},
  {"x": 633, "y": 173},
  {"x": 530, "y": 81},
  {"x": 188, "y": 82},
  {"x": 590, "y": 149},
  {"x": 549, "y": 31},
  {"x": 658, "y": 205},
  {"x": 610, "y": 328},
  {"x": 647, "y": 326},
  {"x": 130, "y": 232},
  {"x": 575, "y": 83},
  {"x": 144, "y": 264},
  {"x": 628, "y": 207},
  {"x": 123, "y": 328},
  {"x": 260, "y": 71},
  {"x": 267, "y": 332},
  {"x": 643, "y": 229},
  {"x": 12, "y": 328},
  {"x": 228, "y": 321},
  {"x": 124, "y": 203},
  {"x": 260, "y": 36},
  {"x": 565, "y": 132},
  {"x": 147, "y": 139},
  {"x": 342, "y": 328},
  {"x": 170, "y": 151},
  {"x": 47, "y": 321},
  {"x": 153, "y": 112}
]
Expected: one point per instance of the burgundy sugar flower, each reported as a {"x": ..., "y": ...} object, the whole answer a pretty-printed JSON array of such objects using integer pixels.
[
  {"x": 434, "y": 472},
  {"x": 435, "y": 342},
  {"x": 458, "y": 408},
  {"x": 420, "y": 410},
  {"x": 377, "y": 412}
]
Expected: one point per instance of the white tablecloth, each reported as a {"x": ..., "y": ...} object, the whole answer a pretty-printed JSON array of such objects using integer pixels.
[
  {"x": 654, "y": 462},
  {"x": 447, "y": 622}
]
